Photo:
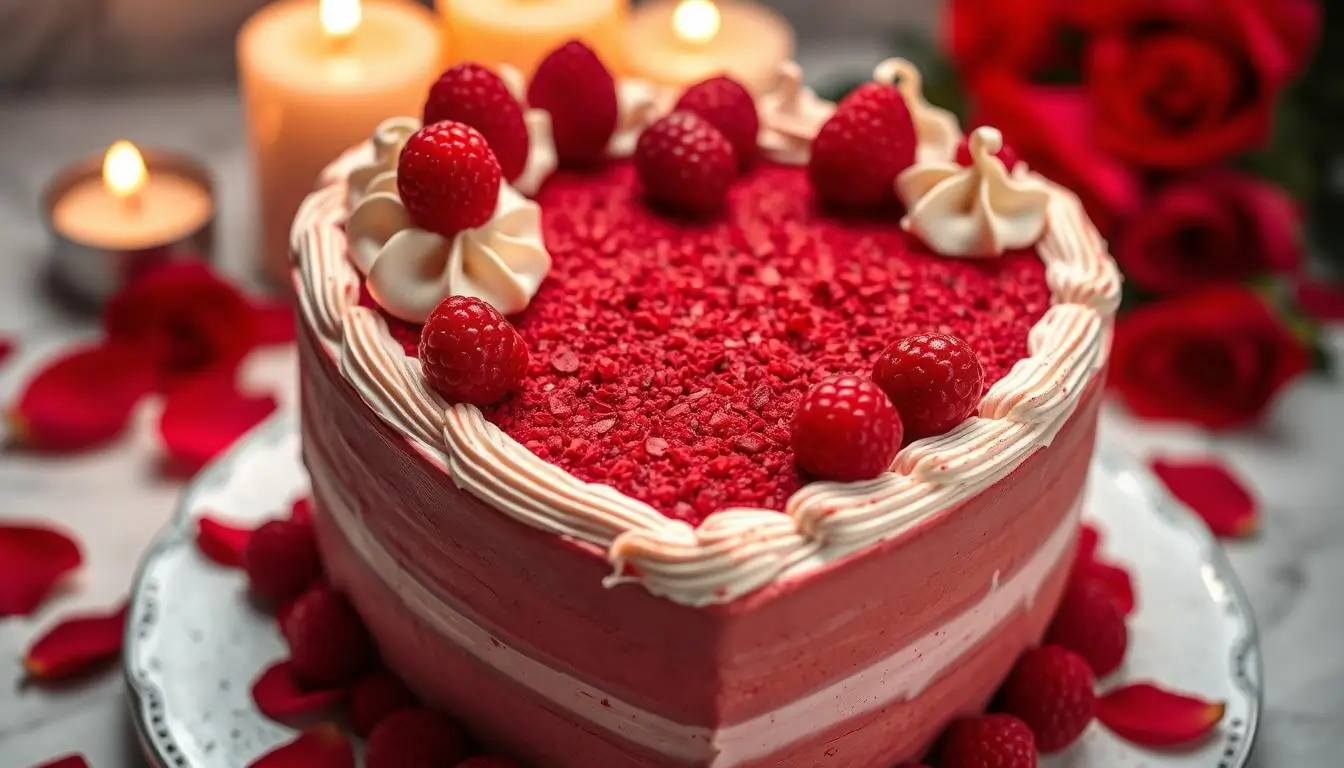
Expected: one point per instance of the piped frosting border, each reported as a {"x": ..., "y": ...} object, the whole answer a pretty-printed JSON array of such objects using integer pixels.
[{"x": 734, "y": 551}]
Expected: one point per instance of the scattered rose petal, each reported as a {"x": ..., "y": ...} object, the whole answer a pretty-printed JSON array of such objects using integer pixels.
[
  {"x": 1323, "y": 301},
  {"x": 33, "y": 559},
  {"x": 1208, "y": 488},
  {"x": 7, "y": 347},
  {"x": 301, "y": 511},
  {"x": 280, "y": 696},
  {"x": 76, "y": 645},
  {"x": 221, "y": 542},
  {"x": 1114, "y": 578},
  {"x": 82, "y": 399},
  {"x": 275, "y": 322},
  {"x": 1089, "y": 538},
  {"x": 204, "y": 417},
  {"x": 68, "y": 761},
  {"x": 1149, "y": 716},
  {"x": 323, "y": 746}
]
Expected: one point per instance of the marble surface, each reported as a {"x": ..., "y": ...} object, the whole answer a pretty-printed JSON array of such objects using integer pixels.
[{"x": 115, "y": 500}]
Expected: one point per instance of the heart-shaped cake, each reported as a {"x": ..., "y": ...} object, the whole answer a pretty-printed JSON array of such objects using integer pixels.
[{"x": 754, "y": 436}]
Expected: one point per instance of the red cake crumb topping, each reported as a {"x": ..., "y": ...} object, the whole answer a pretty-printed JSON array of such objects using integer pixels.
[{"x": 668, "y": 356}]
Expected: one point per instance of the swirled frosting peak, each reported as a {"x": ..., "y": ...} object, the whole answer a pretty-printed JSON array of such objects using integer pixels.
[
  {"x": 410, "y": 270},
  {"x": 791, "y": 114},
  {"x": 980, "y": 210},
  {"x": 936, "y": 129},
  {"x": 541, "y": 155}
]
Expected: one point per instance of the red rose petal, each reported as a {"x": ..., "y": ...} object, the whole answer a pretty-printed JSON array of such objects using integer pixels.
[
  {"x": 1208, "y": 488},
  {"x": 279, "y": 695},
  {"x": 1321, "y": 300},
  {"x": 323, "y": 746},
  {"x": 81, "y": 399},
  {"x": 302, "y": 510},
  {"x": 275, "y": 322},
  {"x": 1089, "y": 538},
  {"x": 1152, "y": 717},
  {"x": 68, "y": 761},
  {"x": 33, "y": 559},
  {"x": 7, "y": 347},
  {"x": 1114, "y": 578},
  {"x": 221, "y": 542},
  {"x": 203, "y": 418},
  {"x": 77, "y": 645}
]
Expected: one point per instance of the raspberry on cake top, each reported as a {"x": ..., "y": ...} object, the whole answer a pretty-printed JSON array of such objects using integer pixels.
[{"x": 743, "y": 336}]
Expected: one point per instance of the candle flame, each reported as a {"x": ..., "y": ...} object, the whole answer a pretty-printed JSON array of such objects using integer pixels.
[
  {"x": 340, "y": 18},
  {"x": 124, "y": 172},
  {"x": 696, "y": 21}
]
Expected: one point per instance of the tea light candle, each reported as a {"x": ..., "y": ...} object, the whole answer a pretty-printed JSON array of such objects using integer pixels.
[
  {"x": 317, "y": 76},
  {"x": 680, "y": 42},
  {"x": 114, "y": 216},
  {"x": 522, "y": 32}
]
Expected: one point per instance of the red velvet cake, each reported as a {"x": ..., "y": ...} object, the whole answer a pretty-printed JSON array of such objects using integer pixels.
[{"x": 779, "y": 455}]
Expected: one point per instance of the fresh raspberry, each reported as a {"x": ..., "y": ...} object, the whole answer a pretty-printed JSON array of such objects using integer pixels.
[
  {"x": 933, "y": 379},
  {"x": 987, "y": 741},
  {"x": 473, "y": 95},
  {"x": 375, "y": 696},
  {"x": 685, "y": 162},
  {"x": 487, "y": 761},
  {"x": 1050, "y": 689},
  {"x": 281, "y": 560},
  {"x": 1006, "y": 154},
  {"x": 845, "y": 429},
  {"x": 573, "y": 85},
  {"x": 1089, "y": 623},
  {"x": 328, "y": 643},
  {"x": 470, "y": 353},
  {"x": 863, "y": 147},
  {"x": 725, "y": 104},
  {"x": 448, "y": 178},
  {"x": 415, "y": 738}
]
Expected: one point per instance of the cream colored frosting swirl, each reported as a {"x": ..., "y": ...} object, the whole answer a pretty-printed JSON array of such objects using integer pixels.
[
  {"x": 638, "y": 104},
  {"x": 980, "y": 210},
  {"x": 791, "y": 114},
  {"x": 542, "y": 159},
  {"x": 734, "y": 551},
  {"x": 410, "y": 270},
  {"x": 936, "y": 129}
]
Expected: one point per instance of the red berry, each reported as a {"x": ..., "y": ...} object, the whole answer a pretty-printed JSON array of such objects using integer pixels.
[
  {"x": 934, "y": 380},
  {"x": 1090, "y": 623},
  {"x": 1050, "y": 689},
  {"x": 327, "y": 641},
  {"x": 725, "y": 104},
  {"x": 375, "y": 696},
  {"x": 415, "y": 738},
  {"x": 987, "y": 741},
  {"x": 863, "y": 147},
  {"x": 470, "y": 353},
  {"x": 1006, "y": 154},
  {"x": 845, "y": 429},
  {"x": 487, "y": 761},
  {"x": 573, "y": 85},
  {"x": 448, "y": 178},
  {"x": 281, "y": 560},
  {"x": 685, "y": 162},
  {"x": 473, "y": 95}
]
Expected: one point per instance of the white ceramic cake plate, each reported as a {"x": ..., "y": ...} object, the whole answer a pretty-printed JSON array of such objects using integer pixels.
[{"x": 195, "y": 641}]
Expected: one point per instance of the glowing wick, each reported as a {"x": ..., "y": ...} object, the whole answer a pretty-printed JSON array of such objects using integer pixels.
[{"x": 696, "y": 21}]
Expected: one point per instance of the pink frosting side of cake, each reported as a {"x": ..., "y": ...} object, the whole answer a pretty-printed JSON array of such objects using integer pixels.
[{"x": 703, "y": 670}]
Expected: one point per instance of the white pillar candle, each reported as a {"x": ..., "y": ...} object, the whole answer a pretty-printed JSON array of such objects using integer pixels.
[{"x": 681, "y": 42}]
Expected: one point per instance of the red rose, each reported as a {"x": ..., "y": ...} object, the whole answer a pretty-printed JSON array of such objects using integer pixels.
[
  {"x": 1212, "y": 227},
  {"x": 186, "y": 318},
  {"x": 1017, "y": 36},
  {"x": 1182, "y": 83},
  {"x": 1048, "y": 126},
  {"x": 1215, "y": 358}
]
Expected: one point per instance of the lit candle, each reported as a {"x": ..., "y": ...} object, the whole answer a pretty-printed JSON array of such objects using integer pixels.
[
  {"x": 522, "y": 32},
  {"x": 317, "y": 77},
  {"x": 680, "y": 42},
  {"x": 112, "y": 217}
]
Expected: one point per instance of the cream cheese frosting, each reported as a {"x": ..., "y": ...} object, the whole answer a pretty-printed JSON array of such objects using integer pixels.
[
  {"x": 638, "y": 104},
  {"x": 978, "y": 210},
  {"x": 736, "y": 551},
  {"x": 936, "y": 129},
  {"x": 790, "y": 114},
  {"x": 542, "y": 159}
]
